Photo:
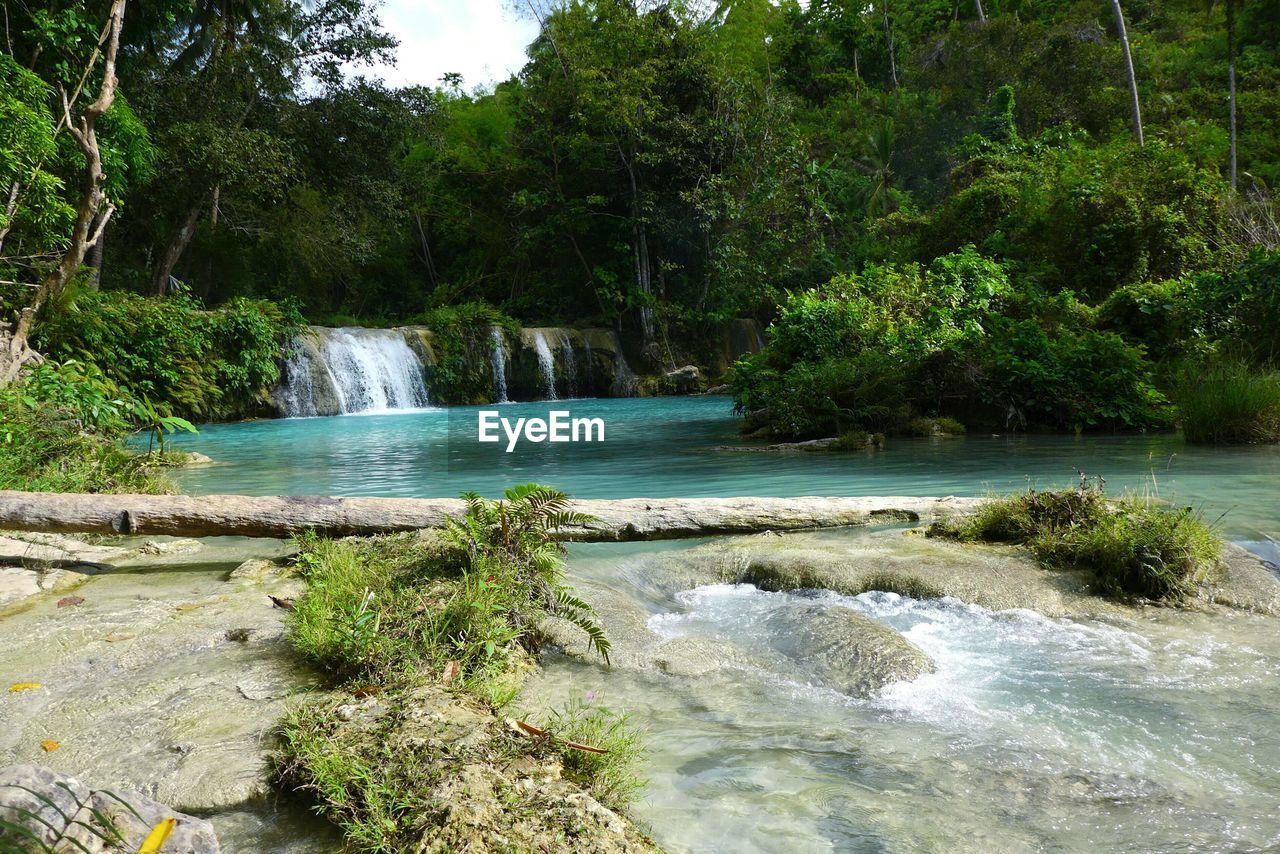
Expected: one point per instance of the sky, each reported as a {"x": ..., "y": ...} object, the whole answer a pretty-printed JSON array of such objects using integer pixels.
[{"x": 484, "y": 40}]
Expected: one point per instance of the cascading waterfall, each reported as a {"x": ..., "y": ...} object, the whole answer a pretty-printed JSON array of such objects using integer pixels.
[
  {"x": 546, "y": 364},
  {"x": 570, "y": 363},
  {"x": 499, "y": 358},
  {"x": 375, "y": 370},
  {"x": 625, "y": 383},
  {"x": 340, "y": 371}
]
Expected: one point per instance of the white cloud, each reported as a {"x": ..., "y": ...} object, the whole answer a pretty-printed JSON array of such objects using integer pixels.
[{"x": 483, "y": 40}]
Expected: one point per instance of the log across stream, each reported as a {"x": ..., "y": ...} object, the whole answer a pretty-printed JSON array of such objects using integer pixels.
[{"x": 280, "y": 517}]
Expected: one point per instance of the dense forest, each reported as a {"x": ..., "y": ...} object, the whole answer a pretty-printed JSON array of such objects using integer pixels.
[{"x": 1017, "y": 213}]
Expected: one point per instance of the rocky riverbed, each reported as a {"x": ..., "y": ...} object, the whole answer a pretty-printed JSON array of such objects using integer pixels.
[{"x": 161, "y": 667}]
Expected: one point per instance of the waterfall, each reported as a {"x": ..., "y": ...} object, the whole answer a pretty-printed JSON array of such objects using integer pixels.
[
  {"x": 570, "y": 363},
  {"x": 499, "y": 358},
  {"x": 339, "y": 371},
  {"x": 625, "y": 383},
  {"x": 546, "y": 363}
]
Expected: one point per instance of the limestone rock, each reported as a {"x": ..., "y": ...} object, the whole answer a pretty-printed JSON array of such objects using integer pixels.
[
  {"x": 29, "y": 790},
  {"x": 848, "y": 652},
  {"x": 686, "y": 380}
]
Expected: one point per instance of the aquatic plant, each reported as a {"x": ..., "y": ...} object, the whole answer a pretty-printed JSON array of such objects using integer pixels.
[
  {"x": 599, "y": 747},
  {"x": 1135, "y": 546},
  {"x": 1228, "y": 401}
]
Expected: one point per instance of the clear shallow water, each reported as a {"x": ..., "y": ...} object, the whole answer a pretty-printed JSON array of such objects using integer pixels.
[
  {"x": 1156, "y": 734},
  {"x": 667, "y": 447}
]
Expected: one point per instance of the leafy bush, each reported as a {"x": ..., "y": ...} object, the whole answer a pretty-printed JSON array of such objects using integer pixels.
[
  {"x": 876, "y": 350},
  {"x": 1228, "y": 401},
  {"x": 1068, "y": 379},
  {"x": 45, "y": 448},
  {"x": 1133, "y": 547},
  {"x": 182, "y": 358},
  {"x": 461, "y": 373}
]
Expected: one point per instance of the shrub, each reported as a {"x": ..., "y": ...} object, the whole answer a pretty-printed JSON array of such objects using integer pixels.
[
  {"x": 938, "y": 426},
  {"x": 188, "y": 361},
  {"x": 44, "y": 448},
  {"x": 1133, "y": 547},
  {"x": 1228, "y": 401},
  {"x": 461, "y": 373},
  {"x": 1068, "y": 379}
]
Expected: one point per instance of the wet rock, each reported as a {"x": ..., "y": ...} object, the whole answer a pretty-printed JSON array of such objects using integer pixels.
[
  {"x": 686, "y": 380},
  {"x": 64, "y": 814},
  {"x": 256, "y": 570},
  {"x": 118, "y": 708},
  {"x": 164, "y": 548},
  {"x": 896, "y": 561},
  {"x": 846, "y": 651},
  {"x": 192, "y": 459},
  {"x": 1246, "y": 583},
  {"x": 57, "y": 550}
]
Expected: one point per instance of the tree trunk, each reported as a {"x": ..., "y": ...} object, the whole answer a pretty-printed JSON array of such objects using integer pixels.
[
  {"x": 640, "y": 255},
  {"x": 982, "y": 16},
  {"x": 10, "y": 207},
  {"x": 620, "y": 520},
  {"x": 888, "y": 37},
  {"x": 91, "y": 217},
  {"x": 96, "y": 254},
  {"x": 1128, "y": 63},
  {"x": 1231, "y": 86},
  {"x": 173, "y": 250}
]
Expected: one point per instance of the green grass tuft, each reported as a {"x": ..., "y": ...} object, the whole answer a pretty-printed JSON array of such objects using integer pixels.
[
  {"x": 1133, "y": 547},
  {"x": 609, "y": 776},
  {"x": 1229, "y": 402}
]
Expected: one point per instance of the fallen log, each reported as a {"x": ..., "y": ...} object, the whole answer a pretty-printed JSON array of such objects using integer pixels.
[{"x": 276, "y": 517}]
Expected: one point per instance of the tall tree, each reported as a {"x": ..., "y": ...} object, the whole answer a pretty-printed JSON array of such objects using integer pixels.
[
  {"x": 1128, "y": 64},
  {"x": 94, "y": 208},
  {"x": 1231, "y": 85}
]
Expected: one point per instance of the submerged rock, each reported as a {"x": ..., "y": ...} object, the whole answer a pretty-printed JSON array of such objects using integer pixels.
[
  {"x": 846, "y": 651},
  {"x": 63, "y": 814},
  {"x": 166, "y": 679}
]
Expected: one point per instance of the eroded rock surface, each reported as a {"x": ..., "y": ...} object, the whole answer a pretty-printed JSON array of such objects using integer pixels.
[
  {"x": 64, "y": 814},
  {"x": 167, "y": 678}
]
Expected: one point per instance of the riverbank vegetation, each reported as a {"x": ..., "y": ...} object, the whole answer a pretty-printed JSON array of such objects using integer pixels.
[
  {"x": 1135, "y": 547},
  {"x": 424, "y": 640},
  {"x": 1006, "y": 222}
]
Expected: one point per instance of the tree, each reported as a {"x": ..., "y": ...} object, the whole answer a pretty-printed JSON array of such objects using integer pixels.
[
  {"x": 94, "y": 208},
  {"x": 1128, "y": 63},
  {"x": 1231, "y": 85}
]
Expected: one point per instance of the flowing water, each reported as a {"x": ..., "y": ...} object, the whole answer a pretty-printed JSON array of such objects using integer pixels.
[
  {"x": 546, "y": 363},
  {"x": 1157, "y": 732},
  {"x": 499, "y": 358},
  {"x": 365, "y": 370}
]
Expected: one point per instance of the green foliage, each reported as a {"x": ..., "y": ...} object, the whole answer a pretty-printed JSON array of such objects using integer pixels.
[
  {"x": 1228, "y": 401},
  {"x": 422, "y": 618},
  {"x": 1134, "y": 547},
  {"x": 46, "y": 446},
  {"x": 189, "y": 361},
  {"x": 510, "y": 548},
  {"x": 461, "y": 344},
  {"x": 609, "y": 775},
  {"x": 953, "y": 338}
]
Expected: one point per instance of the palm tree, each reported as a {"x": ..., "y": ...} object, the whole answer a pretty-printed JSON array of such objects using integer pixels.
[{"x": 877, "y": 163}]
